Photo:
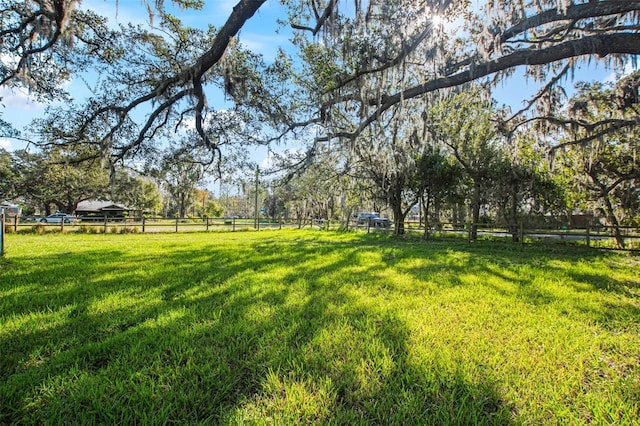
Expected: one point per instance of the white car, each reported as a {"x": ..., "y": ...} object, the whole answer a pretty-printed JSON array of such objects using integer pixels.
[
  {"x": 58, "y": 218},
  {"x": 372, "y": 219}
]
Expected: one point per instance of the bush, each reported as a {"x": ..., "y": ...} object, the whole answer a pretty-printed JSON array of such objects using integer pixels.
[
  {"x": 130, "y": 230},
  {"x": 39, "y": 228},
  {"x": 87, "y": 229}
]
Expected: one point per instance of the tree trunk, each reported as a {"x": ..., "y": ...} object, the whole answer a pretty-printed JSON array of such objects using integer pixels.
[
  {"x": 425, "y": 209},
  {"x": 459, "y": 215},
  {"x": 454, "y": 214},
  {"x": 398, "y": 219},
  {"x": 436, "y": 214},
  {"x": 613, "y": 220},
  {"x": 181, "y": 208},
  {"x": 347, "y": 218},
  {"x": 513, "y": 215},
  {"x": 70, "y": 208},
  {"x": 475, "y": 211}
]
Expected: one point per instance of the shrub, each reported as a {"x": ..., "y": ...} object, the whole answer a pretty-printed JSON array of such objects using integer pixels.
[
  {"x": 129, "y": 230},
  {"x": 82, "y": 229},
  {"x": 88, "y": 229},
  {"x": 39, "y": 228}
]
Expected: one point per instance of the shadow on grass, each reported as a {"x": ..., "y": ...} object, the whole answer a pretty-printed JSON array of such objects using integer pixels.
[
  {"x": 517, "y": 265},
  {"x": 219, "y": 334}
]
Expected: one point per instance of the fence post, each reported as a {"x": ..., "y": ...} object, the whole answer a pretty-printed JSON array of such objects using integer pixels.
[
  {"x": 588, "y": 235},
  {"x": 233, "y": 225},
  {"x": 176, "y": 224},
  {"x": 105, "y": 224},
  {"x": 469, "y": 231},
  {"x": 143, "y": 223},
  {"x": 206, "y": 218},
  {"x": 15, "y": 224},
  {"x": 521, "y": 232},
  {"x": 61, "y": 224},
  {"x": 2, "y": 234}
]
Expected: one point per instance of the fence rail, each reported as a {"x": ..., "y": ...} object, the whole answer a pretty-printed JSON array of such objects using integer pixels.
[
  {"x": 95, "y": 224},
  {"x": 599, "y": 236},
  {"x": 596, "y": 236}
]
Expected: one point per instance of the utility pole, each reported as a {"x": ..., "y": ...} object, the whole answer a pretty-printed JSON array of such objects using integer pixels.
[{"x": 257, "y": 224}]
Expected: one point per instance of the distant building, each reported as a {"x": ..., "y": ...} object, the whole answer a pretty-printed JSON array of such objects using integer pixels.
[
  {"x": 97, "y": 208},
  {"x": 10, "y": 210}
]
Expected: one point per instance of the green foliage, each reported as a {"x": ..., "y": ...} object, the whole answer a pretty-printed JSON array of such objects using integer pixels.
[
  {"x": 6, "y": 175},
  {"x": 274, "y": 205},
  {"x": 464, "y": 123},
  {"x": 39, "y": 228},
  {"x": 314, "y": 327},
  {"x": 438, "y": 178},
  {"x": 179, "y": 171},
  {"x": 89, "y": 229},
  {"x": 321, "y": 62},
  {"x": 135, "y": 192},
  {"x": 58, "y": 177},
  {"x": 605, "y": 169},
  {"x": 129, "y": 230},
  {"x": 190, "y": 4},
  {"x": 212, "y": 209},
  {"x": 62, "y": 178}
]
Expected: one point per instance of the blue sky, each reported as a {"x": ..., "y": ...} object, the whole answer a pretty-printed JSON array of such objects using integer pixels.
[{"x": 262, "y": 34}]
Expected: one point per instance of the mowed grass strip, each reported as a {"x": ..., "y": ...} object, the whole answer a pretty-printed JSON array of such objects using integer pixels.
[{"x": 289, "y": 327}]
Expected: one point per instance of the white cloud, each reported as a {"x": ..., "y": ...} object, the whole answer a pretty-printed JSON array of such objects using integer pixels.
[
  {"x": 188, "y": 124},
  {"x": 267, "y": 162},
  {"x": 19, "y": 99},
  {"x": 5, "y": 144},
  {"x": 629, "y": 67},
  {"x": 225, "y": 7},
  {"x": 122, "y": 12},
  {"x": 267, "y": 45}
]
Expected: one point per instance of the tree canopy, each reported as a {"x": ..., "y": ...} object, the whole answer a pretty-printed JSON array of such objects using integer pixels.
[
  {"x": 354, "y": 62},
  {"x": 393, "y": 94}
]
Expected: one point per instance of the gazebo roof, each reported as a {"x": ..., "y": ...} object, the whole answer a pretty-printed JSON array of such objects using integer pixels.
[{"x": 101, "y": 206}]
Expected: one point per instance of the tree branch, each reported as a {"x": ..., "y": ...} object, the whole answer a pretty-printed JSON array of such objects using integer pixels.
[
  {"x": 191, "y": 76},
  {"x": 573, "y": 13},
  {"x": 613, "y": 125},
  {"x": 407, "y": 48},
  {"x": 320, "y": 20},
  {"x": 601, "y": 45}
]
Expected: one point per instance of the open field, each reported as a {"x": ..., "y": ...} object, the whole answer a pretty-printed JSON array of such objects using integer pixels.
[{"x": 289, "y": 327}]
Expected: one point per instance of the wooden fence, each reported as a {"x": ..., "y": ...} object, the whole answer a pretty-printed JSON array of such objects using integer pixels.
[
  {"x": 107, "y": 224},
  {"x": 598, "y": 236}
]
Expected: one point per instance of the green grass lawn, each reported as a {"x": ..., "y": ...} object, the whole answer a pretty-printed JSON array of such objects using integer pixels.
[{"x": 289, "y": 327}]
